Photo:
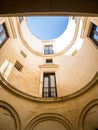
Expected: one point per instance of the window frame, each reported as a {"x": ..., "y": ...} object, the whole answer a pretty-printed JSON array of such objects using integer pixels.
[
  {"x": 50, "y": 90},
  {"x": 23, "y": 53},
  {"x": 92, "y": 33},
  {"x": 48, "y": 49},
  {"x": 18, "y": 65},
  {"x": 49, "y": 61},
  {"x": 4, "y": 31}
]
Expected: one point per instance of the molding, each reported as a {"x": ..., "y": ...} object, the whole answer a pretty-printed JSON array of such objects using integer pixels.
[
  {"x": 12, "y": 27},
  {"x": 52, "y": 7},
  {"x": 49, "y": 66},
  {"x": 49, "y": 116},
  {"x": 8, "y": 26},
  {"x": 87, "y": 25},
  {"x": 13, "y": 113},
  {"x": 51, "y": 55},
  {"x": 84, "y": 112},
  {"x": 92, "y": 42},
  {"x": 50, "y": 13},
  {"x": 4, "y": 83}
]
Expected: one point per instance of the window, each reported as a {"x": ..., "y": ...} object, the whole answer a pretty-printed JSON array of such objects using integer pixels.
[
  {"x": 94, "y": 34},
  {"x": 49, "y": 61},
  {"x": 48, "y": 49},
  {"x": 23, "y": 54},
  {"x": 3, "y": 34},
  {"x": 20, "y": 19},
  {"x": 49, "y": 85},
  {"x": 18, "y": 66}
]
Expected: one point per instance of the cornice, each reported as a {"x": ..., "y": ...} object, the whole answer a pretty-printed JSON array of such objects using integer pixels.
[
  {"x": 48, "y": 66},
  {"x": 4, "y": 83},
  {"x": 51, "y": 55},
  {"x": 49, "y": 116},
  {"x": 13, "y": 112},
  {"x": 83, "y": 113}
]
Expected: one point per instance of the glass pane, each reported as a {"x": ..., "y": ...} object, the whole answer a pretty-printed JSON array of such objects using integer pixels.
[
  {"x": 53, "y": 89},
  {"x": 3, "y": 37},
  {"x": 45, "y": 89},
  {"x": 96, "y": 37},
  {"x": 46, "y": 82},
  {"x": 45, "y": 94},
  {"x": 53, "y": 94},
  {"x": 52, "y": 81},
  {"x": 96, "y": 33},
  {"x": 1, "y": 28},
  {"x": 50, "y": 51},
  {"x": 46, "y": 52},
  {"x": 46, "y": 47},
  {"x": 97, "y": 29}
]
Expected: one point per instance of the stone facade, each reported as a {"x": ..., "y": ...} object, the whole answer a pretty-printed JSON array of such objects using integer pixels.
[{"x": 22, "y": 106}]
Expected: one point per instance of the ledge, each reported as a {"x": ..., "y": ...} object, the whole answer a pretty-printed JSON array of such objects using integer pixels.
[
  {"x": 48, "y": 66},
  {"x": 53, "y": 7},
  {"x": 50, "y": 55},
  {"x": 4, "y": 83}
]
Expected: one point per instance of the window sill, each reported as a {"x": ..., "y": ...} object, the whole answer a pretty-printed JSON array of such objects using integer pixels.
[{"x": 48, "y": 66}]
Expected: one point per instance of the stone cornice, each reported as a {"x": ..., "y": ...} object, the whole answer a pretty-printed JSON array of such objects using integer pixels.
[
  {"x": 13, "y": 112},
  {"x": 51, "y": 55},
  {"x": 4, "y": 83},
  {"x": 49, "y": 116},
  {"x": 48, "y": 66}
]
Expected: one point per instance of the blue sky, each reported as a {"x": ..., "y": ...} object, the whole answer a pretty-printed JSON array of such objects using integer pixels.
[{"x": 47, "y": 27}]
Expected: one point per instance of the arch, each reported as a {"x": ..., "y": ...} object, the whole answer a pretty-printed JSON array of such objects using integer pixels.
[
  {"x": 49, "y": 117},
  {"x": 13, "y": 114},
  {"x": 33, "y": 51},
  {"x": 4, "y": 83},
  {"x": 84, "y": 112}
]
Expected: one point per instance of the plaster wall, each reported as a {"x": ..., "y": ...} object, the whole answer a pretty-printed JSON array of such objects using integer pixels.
[
  {"x": 72, "y": 109},
  {"x": 72, "y": 73}
]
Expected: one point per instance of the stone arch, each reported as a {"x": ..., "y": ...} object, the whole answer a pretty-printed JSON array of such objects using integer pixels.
[
  {"x": 9, "y": 118},
  {"x": 89, "y": 116},
  {"x": 49, "y": 121}
]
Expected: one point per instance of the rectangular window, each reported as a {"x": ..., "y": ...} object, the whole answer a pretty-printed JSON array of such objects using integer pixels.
[
  {"x": 94, "y": 34},
  {"x": 49, "y": 85},
  {"x": 49, "y": 61},
  {"x": 48, "y": 49},
  {"x": 18, "y": 66},
  {"x": 3, "y": 34},
  {"x": 23, "y": 54}
]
